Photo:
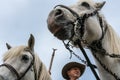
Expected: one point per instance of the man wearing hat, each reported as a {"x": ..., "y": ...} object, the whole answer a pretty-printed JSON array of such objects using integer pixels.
[{"x": 73, "y": 70}]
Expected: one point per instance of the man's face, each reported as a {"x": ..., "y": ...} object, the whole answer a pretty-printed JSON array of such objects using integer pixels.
[{"x": 74, "y": 72}]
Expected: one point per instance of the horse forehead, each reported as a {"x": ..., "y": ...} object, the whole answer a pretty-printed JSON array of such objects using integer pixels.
[
  {"x": 15, "y": 51},
  {"x": 77, "y": 6},
  {"x": 88, "y": 1}
]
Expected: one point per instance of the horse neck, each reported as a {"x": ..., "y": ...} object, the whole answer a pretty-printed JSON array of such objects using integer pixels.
[
  {"x": 111, "y": 44},
  {"x": 42, "y": 72}
]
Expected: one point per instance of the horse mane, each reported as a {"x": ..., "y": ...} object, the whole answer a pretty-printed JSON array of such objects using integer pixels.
[
  {"x": 42, "y": 72},
  {"x": 111, "y": 39},
  {"x": 40, "y": 68}
]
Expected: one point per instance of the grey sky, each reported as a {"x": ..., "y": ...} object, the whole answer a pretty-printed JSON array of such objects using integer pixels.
[{"x": 20, "y": 18}]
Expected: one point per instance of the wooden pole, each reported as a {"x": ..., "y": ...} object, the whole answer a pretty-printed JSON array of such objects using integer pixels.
[{"x": 51, "y": 62}]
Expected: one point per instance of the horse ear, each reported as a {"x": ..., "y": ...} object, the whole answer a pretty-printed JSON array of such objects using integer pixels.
[
  {"x": 31, "y": 42},
  {"x": 8, "y": 46},
  {"x": 100, "y": 5}
]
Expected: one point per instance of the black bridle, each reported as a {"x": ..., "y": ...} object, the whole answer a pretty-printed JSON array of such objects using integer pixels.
[
  {"x": 13, "y": 70},
  {"x": 95, "y": 46}
]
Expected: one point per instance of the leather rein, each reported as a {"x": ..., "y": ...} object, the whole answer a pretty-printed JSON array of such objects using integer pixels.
[
  {"x": 95, "y": 46},
  {"x": 13, "y": 70}
]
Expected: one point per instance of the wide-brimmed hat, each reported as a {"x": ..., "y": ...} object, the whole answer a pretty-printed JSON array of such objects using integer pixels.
[{"x": 70, "y": 65}]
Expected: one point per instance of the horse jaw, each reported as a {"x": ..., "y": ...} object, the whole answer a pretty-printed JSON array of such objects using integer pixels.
[{"x": 93, "y": 30}]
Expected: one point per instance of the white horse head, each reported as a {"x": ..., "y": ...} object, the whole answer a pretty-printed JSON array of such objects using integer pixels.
[
  {"x": 84, "y": 21},
  {"x": 21, "y": 63},
  {"x": 61, "y": 20}
]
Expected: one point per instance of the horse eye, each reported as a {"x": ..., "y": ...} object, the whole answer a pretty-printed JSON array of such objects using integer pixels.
[
  {"x": 85, "y": 4},
  {"x": 25, "y": 58}
]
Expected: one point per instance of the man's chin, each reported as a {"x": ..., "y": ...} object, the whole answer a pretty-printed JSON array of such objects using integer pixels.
[{"x": 77, "y": 76}]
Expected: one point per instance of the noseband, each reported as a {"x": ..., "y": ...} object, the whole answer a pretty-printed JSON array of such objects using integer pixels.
[{"x": 12, "y": 69}]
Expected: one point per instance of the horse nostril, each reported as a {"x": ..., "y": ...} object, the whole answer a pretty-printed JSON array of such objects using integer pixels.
[
  {"x": 58, "y": 12},
  {"x": 1, "y": 77}
]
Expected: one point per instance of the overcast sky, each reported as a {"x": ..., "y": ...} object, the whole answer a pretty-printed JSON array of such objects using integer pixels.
[{"x": 20, "y": 18}]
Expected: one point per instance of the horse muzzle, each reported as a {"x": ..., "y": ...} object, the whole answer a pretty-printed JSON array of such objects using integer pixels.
[
  {"x": 54, "y": 20},
  {"x": 58, "y": 23}
]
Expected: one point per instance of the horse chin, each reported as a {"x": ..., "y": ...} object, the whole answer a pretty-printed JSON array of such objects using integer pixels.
[
  {"x": 61, "y": 30},
  {"x": 62, "y": 34}
]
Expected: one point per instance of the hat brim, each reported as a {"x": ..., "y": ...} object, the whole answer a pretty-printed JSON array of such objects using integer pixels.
[{"x": 70, "y": 65}]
